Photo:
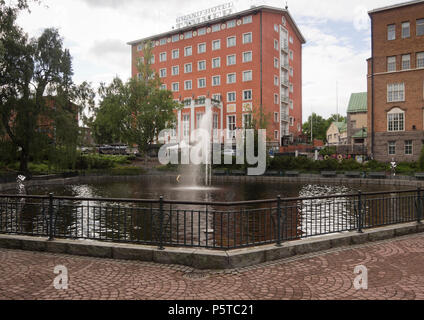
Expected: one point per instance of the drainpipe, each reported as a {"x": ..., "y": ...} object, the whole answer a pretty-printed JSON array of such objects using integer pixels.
[{"x": 372, "y": 86}]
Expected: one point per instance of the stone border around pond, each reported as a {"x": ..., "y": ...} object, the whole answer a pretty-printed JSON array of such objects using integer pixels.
[{"x": 204, "y": 259}]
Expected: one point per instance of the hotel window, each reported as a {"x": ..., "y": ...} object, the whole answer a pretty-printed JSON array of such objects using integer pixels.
[
  {"x": 188, "y": 35},
  {"x": 275, "y": 98},
  {"x": 216, "y": 27},
  {"x": 275, "y": 44},
  {"x": 276, "y": 117},
  {"x": 216, "y": 44},
  {"x": 420, "y": 27},
  {"x": 247, "y": 19},
  {"x": 247, "y": 75},
  {"x": 216, "y": 62},
  {"x": 201, "y": 83},
  {"x": 406, "y": 62},
  {"x": 162, "y": 41},
  {"x": 201, "y": 48},
  {"x": 420, "y": 60},
  {"x": 276, "y": 81},
  {"x": 175, "y": 87},
  {"x": 201, "y": 31},
  {"x": 188, "y": 51},
  {"x": 247, "y": 37},
  {"x": 162, "y": 73},
  {"x": 175, "y": 70},
  {"x": 391, "y": 64},
  {"x": 162, "y": 57},
  {"x": 247, "y": 120},
  {"x": 231, "y": 78},
  {"x": 247, "y": 56},
  {"x": 247, "y": 95},
  {"x": 291, "y": 104},
  {"x": 231, "y": 24},
  {"x": 392, "y": 148},
  {"x": 188, "y": 68},
  {"x": 395, "y": 120},
  {"x": 186, "y": 125},
  {"x": 175, "y": 38},
  {"x": 275, "y": 63},
  {"x": 408, "y": 147},
  {"x": 175, "y": 54},
  {"x": 395, "y": 92},
  {"x": 216, "y": 80},
  {"x": 231, "y": 60},
  {"x": 231, "y": 127},
  {"x": 406, "y": 30},
  {"x": 188, "y": 85},
  {"x": 201, "y": 65},
  {"x": 231, "y": 42},
  {"x": 291, "y": 54},
  {"x": 231, "y": 97},
  {"x": 391, "y": 32}
]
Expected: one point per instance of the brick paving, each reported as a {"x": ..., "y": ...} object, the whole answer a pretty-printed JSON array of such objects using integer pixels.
[{"x": 395, "y": 271}]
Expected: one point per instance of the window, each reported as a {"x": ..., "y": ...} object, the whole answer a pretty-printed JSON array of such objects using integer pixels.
[
  {"x": 420, "y": 27},
  {"x": 231, "y": 127},
  {"x": 162, "y": 57},
  {"x": 275, "y": 44},
  {"x": 291, "y": 71},
  {"x": 406, "y": 30},
  {"x": 231, "y": 78},
  {"x": 188, "y": 35},
  {"x": 186, "y": 125},
  {"x": 201, "y": 32},
  {"x": 175, "y": 38},
  {"x": 215, "y": 125},
  {"x": 247, "y": 95},
  {"x": 247, "y": 120},
  {"x": 247, "y": 19},
  {"x": 276, "y": 81},
  {"x": 199, "y": 117},
  {"x": 201, "y": 83},
  {"x": 216, "y": 27},
  {"x": 201, "y": 65},
  {"x": 395, "y": 92},
  {"x": 231, "y": 97},
  {"x": 175, "y": 87},
  {"x": 163, "y": 86},
  {"x": 231, "y": 42},
  {"x": 188, "y": 51},
  {"x": 201, "y": 48},
  {"x": 152, "y": 59},
  {"x": 216, "y": 62},
  {"x": 247, "y": 56},
  {"x": 247, "y": 75},
  {"x": 291, "y": 104},
  {"x": 275, "y": 28},
  {"x": 140, "y": 47},
  {"x": 291, "y": 87},
  {"x": 247, "y": 37},
  {"x": 276, "y": 117},
  {"x": 231, "y": 60},
  {"x": 408, "y": 147},
  {"x": 216, "y": 44},
  {"x": 188, "y": 68},
  {"x": 392, "y": 148},
  {"x": 275, "y": 98},
  {"x": 276, "y": 135},
  {"x": 395, "y": 120},
  {"x": 162, "y": 73},
  {"x": 291, "y": 54},
  {"x": 187, "y": 85},
  {"x": 162, "y": 41},
  {"x": 275, "y": 63},
  {"x": 391, "y": 64},
  {"x": 420, "y": 60},
  {"x": 216, "y": 96},
  {"x": 216, "y": 80},
  {"x": 187, "y": 102},
  {"x": 391, "y": 32},
  {"x": 231, "y": 24},
  {"x": 175, "y": 70},
  {"x": 291, "y": 39},
  {"x": 406, "y": 61},
  {"x": 175, "y": 54},
  {"x": 292, "y": 123}
]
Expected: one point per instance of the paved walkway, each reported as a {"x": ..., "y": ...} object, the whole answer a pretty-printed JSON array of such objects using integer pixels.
[{"x": 395, "y": 271}]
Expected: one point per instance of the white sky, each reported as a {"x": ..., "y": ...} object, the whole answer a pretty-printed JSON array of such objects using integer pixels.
[{"x": 96, "y": 32}]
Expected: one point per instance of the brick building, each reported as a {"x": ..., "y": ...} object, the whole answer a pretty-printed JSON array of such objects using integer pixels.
[
  {"x": 238, "y": 65},
  {"x": 395, "y": 82}
]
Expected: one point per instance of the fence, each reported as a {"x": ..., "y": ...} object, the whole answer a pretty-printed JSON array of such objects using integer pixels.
[{"x": 213, "y": 225}]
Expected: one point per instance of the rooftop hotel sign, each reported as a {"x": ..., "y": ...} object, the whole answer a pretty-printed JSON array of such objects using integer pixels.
[{"x": 205, "y": 15}]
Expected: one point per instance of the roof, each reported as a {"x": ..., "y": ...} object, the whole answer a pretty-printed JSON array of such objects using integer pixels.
[
  {"x": 395, "y": 6},
  {"x": 342, "y": 126},
  {"x": 363, "y": 133},
  {"x": 234, "y": 15},
  {"x": 357, "y": 103}
]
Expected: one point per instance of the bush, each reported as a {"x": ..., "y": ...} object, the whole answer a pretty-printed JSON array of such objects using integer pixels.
[{"x": 97, "y": 161}]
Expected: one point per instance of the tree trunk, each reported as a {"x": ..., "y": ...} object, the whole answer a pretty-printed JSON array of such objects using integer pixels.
[{"x": 23, "y": 167}]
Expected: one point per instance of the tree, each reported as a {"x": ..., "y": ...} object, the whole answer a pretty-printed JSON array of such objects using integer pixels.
[{"x": 319, "y": 127}]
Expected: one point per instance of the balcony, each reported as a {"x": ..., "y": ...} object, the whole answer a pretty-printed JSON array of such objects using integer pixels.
[
  {"x": 284, "y": 99},
  {"x": 285, "y": 65},
  {"x": 285, "y": 46},
  {"x": 284, "y": 117},
  {"x": 284, "y": 82}
]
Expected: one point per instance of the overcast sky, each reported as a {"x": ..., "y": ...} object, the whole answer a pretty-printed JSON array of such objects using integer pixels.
[{"x": 96, "y": 32}]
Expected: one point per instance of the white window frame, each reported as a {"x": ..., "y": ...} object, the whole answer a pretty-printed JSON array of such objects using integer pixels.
[
  {"x": 391, "y": 144},
  {"x": 420, "y": 60},
  {"x": 177, "y": 68},
  {"x": 198, "y": 83},
  {"x": 178, "y": 86},
  {"x": 216, "y": 41},
  {"x": 404, "y": 24},
  {"x": 161, "y": 55},
  {"x": 231, "y": 93},
  {"x": 276, "y": 81},
  {"x": 247, "y": 19},
  {"x": 185, "y": 51},
  {"x": 218, "y": 59},
  {"x": 201, "y": 31},
  {"x": 228, "y": 77},
  {"x": 251, "y": 95},
  {"x": 251, "y": 56},
  {"x": 406, "y": 58},
  {"x": 409, "y": 146},
  {"x": 219, "y": 80},
  {"x": 250, "y": 39},
  {"x": 245, "y": 72},
  {"x": 175, "y": 38},
  {"x": 391, "y": 64},
  {"x": 177, "y": 55},
  {"x": 188, "y": 82},
  {"x": 162, "y": 73},
  {"x": 235, "y": 41},
  {"x": 398, "y": 89},
  {"x": 235, "y": 59},
  {"x": 243, "y": 119},
  {"x": 420, "y": 27},
  {"x": 231, "y": 126},
  {"x": 199, "y": 46},
  {"x": 191, "y": 67},
  {"x": 276, "y": 63},
  {"x": 396, "y": 115},
  {"x": 391, "y": 34},
  {"x": 188, "y": 34},
  {"x": 186, "y": 125},
  {"x": 231, "y": 24},
  {"x": 216, "y": 27},
  {"x": 198, "y": 65}
]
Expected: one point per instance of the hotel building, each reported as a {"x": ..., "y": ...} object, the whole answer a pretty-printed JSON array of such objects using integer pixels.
[
  {"x": 396, "y": 82},
  {"x": 240, "y": 65}
]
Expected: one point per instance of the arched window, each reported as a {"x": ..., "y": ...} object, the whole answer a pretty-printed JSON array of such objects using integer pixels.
[{"x": 396, "y": 120}]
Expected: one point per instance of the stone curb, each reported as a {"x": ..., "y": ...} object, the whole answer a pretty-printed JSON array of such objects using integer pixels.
[{"x": 204, "y": 258}]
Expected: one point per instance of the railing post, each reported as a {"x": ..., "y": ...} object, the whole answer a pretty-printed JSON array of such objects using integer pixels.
[
  {"x": 419, "y": 206},
  {"x": 360, "y": 212},
  {"x": 278, "y": 221},
  {"x": 51, "y": 233},
  {"x": 161, "y": 223}
]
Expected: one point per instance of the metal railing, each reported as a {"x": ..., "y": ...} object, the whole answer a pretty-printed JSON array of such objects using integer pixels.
[{"x": 213, "y": 225}]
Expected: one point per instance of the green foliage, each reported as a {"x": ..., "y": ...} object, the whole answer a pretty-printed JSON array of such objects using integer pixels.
[
  {"x": 328, "y": 151},
  {"x": 421, "y": 159},
  {"x": 320, "y": 125},
  {"x": 97, "y": 161}
]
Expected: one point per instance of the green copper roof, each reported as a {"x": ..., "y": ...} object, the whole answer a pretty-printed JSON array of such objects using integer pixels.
[
  {"x": 357, "y": 103},
  {"x": 342, "y": 126},
  {"x": 361, "y": 134}
]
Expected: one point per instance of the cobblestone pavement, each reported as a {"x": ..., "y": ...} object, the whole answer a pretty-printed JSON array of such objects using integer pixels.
[{"x": 395, "y": 271}]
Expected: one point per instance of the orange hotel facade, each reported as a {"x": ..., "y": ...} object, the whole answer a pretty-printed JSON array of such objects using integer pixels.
[{"x": 238, "y": 65}]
